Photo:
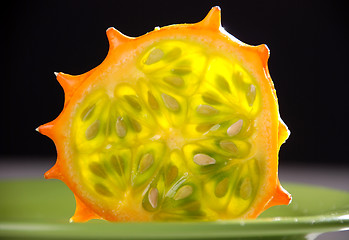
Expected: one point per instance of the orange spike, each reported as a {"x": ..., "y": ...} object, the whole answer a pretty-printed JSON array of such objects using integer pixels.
[
  {"x": 212, "y": 20},
  {"x": 263, "y": 52},
  {"x": 283, "y": 133},
  {"x": 69, "y": 82},
  {"x": 82, "y": 212},
  {"x": 46, "y": 129},
  {"x": 115, "y": 37},
  {"x": 281, "y": 197},
  {"x": 54, "y": 172}
]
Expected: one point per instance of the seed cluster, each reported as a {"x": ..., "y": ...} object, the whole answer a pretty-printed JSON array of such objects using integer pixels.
[{"x": 177, "y": 139}]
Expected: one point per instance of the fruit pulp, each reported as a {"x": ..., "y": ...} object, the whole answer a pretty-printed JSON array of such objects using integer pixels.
[{"x": 183, "y": 126}]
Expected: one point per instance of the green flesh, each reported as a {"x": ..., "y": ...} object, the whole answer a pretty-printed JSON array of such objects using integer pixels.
[{"x": 177, "y": 140}]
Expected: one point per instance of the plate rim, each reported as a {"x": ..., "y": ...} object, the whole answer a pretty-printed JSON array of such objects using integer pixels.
[{"x": 268, "y": 226}]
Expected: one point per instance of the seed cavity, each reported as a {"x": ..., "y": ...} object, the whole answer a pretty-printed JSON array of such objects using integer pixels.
[
  {"x": 103, "y": 190},
  {"x": 152, "y": 101},
  {"x": 121, "y": 129},
  {"x": 246, "y": 188},
  {"x": 136, "y": 125},
  {"x": 251, "y": 94},
  {"x": 182, "y": 68},
  {"x": 92, "y": 130},
  {"x": 173, "y": 54},
  {"x": 171, "y": 175},
  {"x": 222, "y": 83},
  {"x": 175, "y": 81},
  {"x": 183, "y": 192},
  {"x": 118, "y": 164},
  {"x": 87, "y": 113},
  {"x": 204, "y": 127},
  {"x": 235, "y": 128},
  {"x": 133, "y": 102},
  {"x": 193, "y": 206},
  {"x": 210, "y": 99},
  {"x": 170, "y": 102},
  {"x": 154, "y": 56},
  {"x": 228, "y": 146},
  {"x": 222, "y": 188},
  {"x": 203, "y": 159},
  {"x": 215, "y": 127},
  {"x": 97, "y": 169},
  {"x": 146, "y": 162},
  {"x": 206, "y": 110},
  {"x": 153, "y": 196}
]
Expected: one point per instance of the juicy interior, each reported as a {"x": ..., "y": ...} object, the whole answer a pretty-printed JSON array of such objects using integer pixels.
[{"x": 174, "y": 137}]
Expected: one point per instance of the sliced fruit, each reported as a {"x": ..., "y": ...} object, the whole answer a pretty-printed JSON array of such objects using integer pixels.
[{"x": 179, "y": 124}]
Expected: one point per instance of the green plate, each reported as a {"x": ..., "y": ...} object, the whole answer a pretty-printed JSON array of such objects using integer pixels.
[{"x": 40, "y": 209}]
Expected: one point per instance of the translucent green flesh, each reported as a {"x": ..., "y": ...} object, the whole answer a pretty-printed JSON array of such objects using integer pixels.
[{"x": 177, "y": 140}]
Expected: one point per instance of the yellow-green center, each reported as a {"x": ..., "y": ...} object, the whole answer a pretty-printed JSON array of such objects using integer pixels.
[{"x": 175, "y": 135}]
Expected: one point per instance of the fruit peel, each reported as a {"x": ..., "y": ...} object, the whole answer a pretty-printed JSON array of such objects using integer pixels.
[{"x": 123, "y": 57}]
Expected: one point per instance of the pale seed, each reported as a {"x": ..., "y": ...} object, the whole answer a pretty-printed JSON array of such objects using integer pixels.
[
  {"x": 152, "y": 101},
  {"x": 170, "y": 102},
  {"x": 206, "y": 110},
  {"x": 183, "y": 192},
  {"x": 118, "y": 164},
  {"x": 133, "y": 101},
  {"x": 153, "y": 197},
  {"x": 145, "y": 163},
  {"x": 251, "y": 94},
  {"x": 228, "y": 146},
  {"x": 175, "y": 81},
  {"x": 86, "y": 114},
  {"x": 154, "y": 56},
  {"x": 235, "y": 128},
  {"x": 103, "y": 190},
  {"x": 222, "y": 188},
  {"x": 97, "y": 170},
  {"x": 246, "y": 188},
  {"x": 203, "y": 159},
  {"x": 92, "y": 130},
  {"x": 121, "y": 129}
]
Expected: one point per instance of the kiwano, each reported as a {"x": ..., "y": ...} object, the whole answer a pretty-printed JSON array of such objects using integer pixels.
[{"x": 181, "y": 123}]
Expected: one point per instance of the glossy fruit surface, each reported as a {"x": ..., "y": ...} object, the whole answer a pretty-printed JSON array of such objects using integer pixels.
[{"x": 181, "y": 123}]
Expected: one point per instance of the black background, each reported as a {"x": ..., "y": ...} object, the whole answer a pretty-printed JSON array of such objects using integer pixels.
[{"x": 308, "y": 63}]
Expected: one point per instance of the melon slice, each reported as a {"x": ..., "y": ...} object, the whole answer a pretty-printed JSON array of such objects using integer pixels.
[{"x": 181, "y": 123}]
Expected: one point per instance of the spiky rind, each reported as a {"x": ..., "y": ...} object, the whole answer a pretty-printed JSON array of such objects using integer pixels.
[{"x": 210, "y": 24}]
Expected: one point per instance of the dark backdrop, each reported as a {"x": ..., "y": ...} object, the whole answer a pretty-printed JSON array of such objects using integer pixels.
[{"x": 308, "y": 64}]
